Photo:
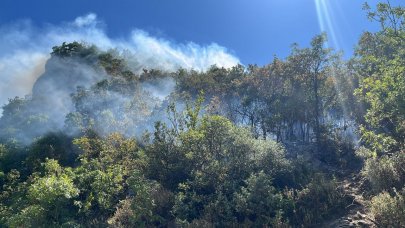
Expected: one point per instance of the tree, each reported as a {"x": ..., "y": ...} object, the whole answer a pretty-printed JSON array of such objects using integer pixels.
[
  {"x": 50, "y": 198},
  {"x": 313, "y": 65},
  {"x": 382, "y": 86}
]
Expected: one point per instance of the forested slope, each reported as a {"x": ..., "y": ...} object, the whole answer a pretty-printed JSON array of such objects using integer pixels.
[{"x": 293, "y": 143}]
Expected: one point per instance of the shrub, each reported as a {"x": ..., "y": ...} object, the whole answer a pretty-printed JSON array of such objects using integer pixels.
[
  {"x": 386, "y": 172},
  {"x": 321, "y": 198},
  {"x": 389, "y": 210},
  {"x": 260, "y": 203}
]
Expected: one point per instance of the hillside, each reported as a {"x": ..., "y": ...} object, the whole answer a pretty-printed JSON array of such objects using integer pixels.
[{"x": 310, "y": 140}]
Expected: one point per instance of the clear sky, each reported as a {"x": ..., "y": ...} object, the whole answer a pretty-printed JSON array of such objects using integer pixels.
[{"x": 252, "y": 30}]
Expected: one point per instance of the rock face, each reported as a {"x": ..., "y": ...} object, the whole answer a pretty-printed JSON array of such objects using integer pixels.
[
  {"x": 65, "y": 75},
  {"x": 51, "y": 93}
]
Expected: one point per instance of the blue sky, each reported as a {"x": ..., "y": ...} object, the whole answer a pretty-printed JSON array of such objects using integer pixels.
[{"x": 252, "y": 30}]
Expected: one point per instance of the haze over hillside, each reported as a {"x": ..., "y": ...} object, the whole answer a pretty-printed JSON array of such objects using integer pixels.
[
  {"x": 23, "y": 60},
  {"x": 142, "y": 131}
]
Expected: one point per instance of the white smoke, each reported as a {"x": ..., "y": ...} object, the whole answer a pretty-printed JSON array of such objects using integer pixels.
[{"x": 25, "y": 48}]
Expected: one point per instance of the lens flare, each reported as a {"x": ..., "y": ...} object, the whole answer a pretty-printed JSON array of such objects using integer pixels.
[
  {"x": 327, "y": 24},
  {"x": 324, "y": 13}
]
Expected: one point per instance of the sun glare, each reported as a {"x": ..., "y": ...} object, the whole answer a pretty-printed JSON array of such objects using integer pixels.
[
  {"x": 328, "y": 25},
  {"x": 325, "y": 20}
]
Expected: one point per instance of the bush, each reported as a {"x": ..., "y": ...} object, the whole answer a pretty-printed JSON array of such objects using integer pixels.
[
  {"x": 148, "y": 205},
  {"x": 386, "y": 172},
  {"x": 337, "y": 149},
  {"x": 260, "y": 204},
  {"x": 32, "y": 216},
  {"x": 389, "y": 210},
  {"x": 321, "y": 198}
]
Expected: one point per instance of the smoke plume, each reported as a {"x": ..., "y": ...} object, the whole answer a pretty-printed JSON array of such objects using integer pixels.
[{"x": 24, "y": 50}]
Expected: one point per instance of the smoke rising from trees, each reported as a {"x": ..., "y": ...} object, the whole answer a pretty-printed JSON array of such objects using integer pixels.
[{"x": 25, "y": 48}]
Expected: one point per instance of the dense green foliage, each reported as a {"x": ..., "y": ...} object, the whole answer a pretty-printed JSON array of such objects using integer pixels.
[
  {"x": 381, "y": 64},
  {"x": 260, "y": 146}
]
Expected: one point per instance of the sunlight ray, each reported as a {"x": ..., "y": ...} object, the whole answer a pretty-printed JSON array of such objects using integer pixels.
[
  {"x": 327, "y": 25},
  {"x": 325, "y": 20}
]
